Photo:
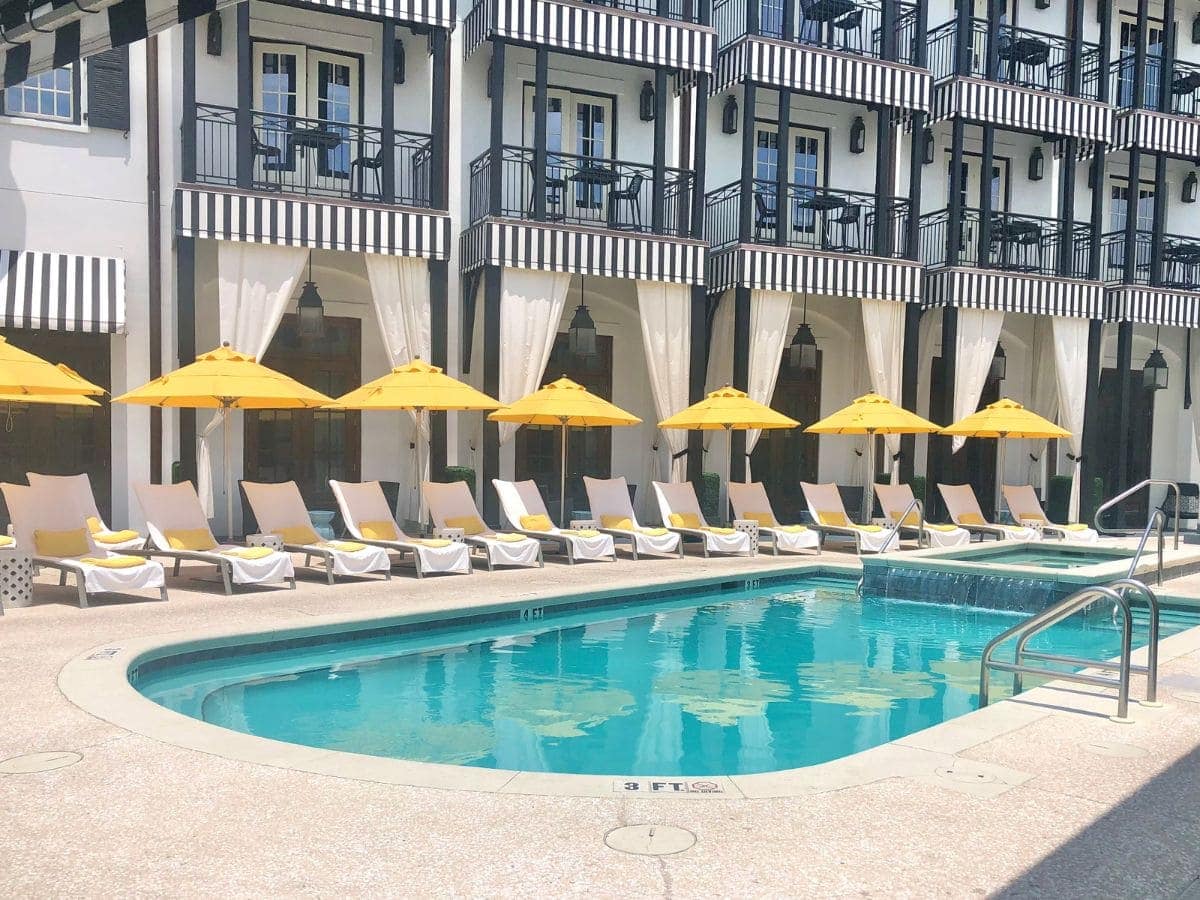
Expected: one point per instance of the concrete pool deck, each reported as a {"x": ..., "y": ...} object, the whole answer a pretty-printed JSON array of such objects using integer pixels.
[{"x": 1063, "y": 801}]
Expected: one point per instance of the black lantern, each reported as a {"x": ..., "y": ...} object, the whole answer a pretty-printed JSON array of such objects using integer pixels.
[
  {"x": 1154, "y": 372},
  {"x": 802, "y": 352},
  {"x": 398, "y": 63},
  {"x": 928, "y": 148},
  {"x": 858, "y": 135},
  {"x": 646, "y": 102},
  {"x": 1037, "y": 164},
  {"x": 1189, "y": 188},
  {"x": 1041, "y": 4},
  {"x": 1092, "y": 170},
  {"x": 999, "y": 366},
  {"x": 1196, "y": 29},
  {"x": 581, "y": 336},
  {"x": 310, "y": 307},
  {"x": 729, "y": 115},
  {"x": 213, "y": 42}
]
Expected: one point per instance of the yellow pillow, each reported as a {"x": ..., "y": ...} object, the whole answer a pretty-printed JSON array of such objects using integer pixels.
[
  {"x": 685, "y": 520},
  {"x": 790, "y": 529},
  {"x": 377, "y": 531},
  {"x": 653, "y": 532},
  {"x": 248, "y": 552},
  {"x": 619, "y": 523},
  {"x": 62, "y": 543},
  {"x": 537, "y": 523},
  {"x": 114, "y": 562},
  {"x": 1032, "y": 517},
  {"x": 190, "y": 539},
  {"x": 868, "y": 528},
  {"x": 766, "y": 520},
  {"x": 933, "y": 527},
  {"x": 345, "y": 546},
  {"x": 6, "y": 541},
  {"x": 971, "y": 519},
  {"x": 586, "y": 532},
  {"x": 833, "y": 518},
  {"x": 298, "y": 534},
  {"x": 911, "y": 519},
  {"x": 435, "y": 542},
  {"x": 715, "y": 529},
  {"x": 114, "y": 537},
  {"x": 510, "y": 538},
  {"x": 94, "y": 525},
  {"x": 469, "y": 524},
  {"x": 1075, "y": 526}
]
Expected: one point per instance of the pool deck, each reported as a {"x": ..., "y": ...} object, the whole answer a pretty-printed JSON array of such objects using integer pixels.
[{"x": 1042, "y": 795}]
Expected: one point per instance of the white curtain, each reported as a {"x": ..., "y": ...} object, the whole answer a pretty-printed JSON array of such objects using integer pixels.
[
  {"x": 883, "y": 333},
  {"x": 400, "y": 290},
  {"x": 665, "y": 311},
  {"x": 1070, "y": 366},
  {"x": 1043, "y": 394},
  {"x": 531, "y": 306},
  {"x": 255, "y": 282},
  {"x": 769, "y": 315},
  {"x": 1194, "y": 374},
  {"x": 978, "y": 334},
  {"x": 719, "y": 374}
]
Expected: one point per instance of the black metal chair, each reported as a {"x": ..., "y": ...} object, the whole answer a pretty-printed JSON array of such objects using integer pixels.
[
  {"x": 1189, "y": 502},
  {"x": 847, "y": 222},
  {"x": 272, "y": 158},
  {"x": 555, "y": 188},
  {"x": 363, "y": 164},
  {"x": 632, "y": 195},
  {"x": 765, "y": 217},
  {"x": 850, "y": 26}
]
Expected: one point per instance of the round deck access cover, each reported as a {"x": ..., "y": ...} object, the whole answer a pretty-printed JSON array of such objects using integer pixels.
[
  {"x": 29, "y": 763},
  {"x": 650, "y": 840}
]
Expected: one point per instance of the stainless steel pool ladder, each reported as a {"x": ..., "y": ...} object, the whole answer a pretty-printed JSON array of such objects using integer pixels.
[
  {"x": 1158, "y": 521},
  {"x": 1119, "y": 592},
  {"x": 895, "y": 527}
]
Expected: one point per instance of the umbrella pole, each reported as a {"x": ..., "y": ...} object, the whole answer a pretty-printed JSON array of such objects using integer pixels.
[
  {"x": 562, "y": 480},
  {"x": 420, "y": 473},
  {"x": 228, "y": 473},
  {"x": 999, "y": 475},
  {"x": 869, "y": 493}
]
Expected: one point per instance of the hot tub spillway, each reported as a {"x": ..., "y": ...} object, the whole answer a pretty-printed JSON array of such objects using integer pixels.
[{"x": 882, "y": 577}]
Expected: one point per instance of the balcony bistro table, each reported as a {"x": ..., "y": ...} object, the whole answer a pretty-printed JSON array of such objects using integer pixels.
[
  {"x": 823, "y": 204},
  {"x": 1029, "y": 52},
  {"x": 319, "y": 139},
  {"x": 1015, "y": 232},
  {"x": 1180, "y": 260},
  {"x": 597, "y": 175}
]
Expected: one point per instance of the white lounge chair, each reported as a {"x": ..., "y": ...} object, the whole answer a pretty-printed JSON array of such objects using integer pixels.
[
  {"x": 750, "y": 501},
  {"x": 681, "y": 513},
  {"x": 279, "y": 510},
  {"x": 610, "y": 506},
  {"x": 56, "y": 539},
  {"x": 369, "y": 520},
  {"x": 825, "y": 507},
  {"x": 526, "y": 512},
  {"x": 452, "y": 506},
  {"x": 76, "y": 491},
  {"x": 179, "y": 531},
  {"x": 894, "y": 499},
  {"x": 965, "y": 513},
  {"x": 1024, "y": 505}
]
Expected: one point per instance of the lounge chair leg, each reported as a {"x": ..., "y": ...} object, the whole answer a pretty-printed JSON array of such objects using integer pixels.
[
  {"x": 175, "y": 571},
  {"x": 162, "y": 593},
  {"x": 227, "y": 578},
  {"x": 83, "y": 601},
  {"x": 62, "y": 577},
  {"x": 291, "y": 583},
  {"x": 541, "y": 562},
  {"x": 332, "y": 579}
]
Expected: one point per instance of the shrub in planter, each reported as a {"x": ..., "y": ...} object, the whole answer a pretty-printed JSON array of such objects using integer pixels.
[
  {"x": 708, "y": 492},
  {"x": 1058, "y": 498}
]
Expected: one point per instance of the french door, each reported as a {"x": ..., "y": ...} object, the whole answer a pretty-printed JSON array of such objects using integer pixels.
[
  {"x": 807, "y": 168},
  {"x": 1128, "y": 41},
  {"x": 579, "y": 125},
  {"x": 1118, "y": 218},
  {"x": 970, "y": 181}
]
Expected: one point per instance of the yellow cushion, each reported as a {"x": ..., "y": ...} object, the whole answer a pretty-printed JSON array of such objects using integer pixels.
[
  {"x": 93, "y": 524},
  {"x": 685, "y": 520},
  {"x": 62, "y": 543},
  {"x": 716, "y": 529},
  {"x": 871, "y": 529},
  {"x": 114, "y": 537},
  {"x": 912, "y": 519},
  {"x": 344, "y": 546},
  {"x": 377, "y": 531},
  {"x": 653, "y": 532},
  {"x": 114, "y": 562},
  {"x": 1033, "y": 517},
  {"x": 469, "y": 524},
  {"x": 6, "y": 541},
  {"x": 298, "y": 534},
  {"x": 790, "y": 529},
  {"x": 619, "y": 523},
  {"x": 932, "y": 527},
  {"x": 510, "y": 538},
  {"x": 537, "y": 523},
  {"x": 190, "y": 539},
  {"x": 766, "y": 520},
  {"x": 585, "y": 532},
  {"x": 1075, "y": 526},
  {"x": 248, "y": 552},
  {"x": 435, "y": 542},
  {"x": 971, "y": 519},
  {"x": 833, "y": 518}
]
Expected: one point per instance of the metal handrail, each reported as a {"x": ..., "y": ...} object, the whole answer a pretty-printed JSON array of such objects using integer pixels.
[
  {"x": 1158, "y": 517},
  {"x": 896, "y": 525}
]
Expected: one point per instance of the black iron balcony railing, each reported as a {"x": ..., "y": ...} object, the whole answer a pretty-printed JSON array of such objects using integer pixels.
[
  {"x": 311, "y": 157},
  {"x": 818, "y": 218},
  {"x": 678, "y": 10},
  {"x": 1016, "y": 243},
  {"x": 850, "y": 26},
  {"x": 582, "y": 190},
  {"x": 1031, "y": 59},
  {"x": 1179, "y": 254},
  {"x": 1185, "y": 85}
]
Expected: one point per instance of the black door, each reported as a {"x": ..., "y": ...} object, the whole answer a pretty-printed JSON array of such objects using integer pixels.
[{"x": 1134, "y": 511}]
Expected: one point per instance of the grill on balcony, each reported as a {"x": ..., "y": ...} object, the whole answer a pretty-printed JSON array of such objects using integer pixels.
[
  {"x": 1017, "y": 243},
  {"x": 312, "y": 157},
  {"x": 824, "y": 219},
  {"x": 1179, "y": 254},
  {"x": 850, "y": 26},
  {"x": 581, "y": 190}
]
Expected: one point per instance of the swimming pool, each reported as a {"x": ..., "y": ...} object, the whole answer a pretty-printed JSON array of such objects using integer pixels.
[{"x": 725, "y": 680}]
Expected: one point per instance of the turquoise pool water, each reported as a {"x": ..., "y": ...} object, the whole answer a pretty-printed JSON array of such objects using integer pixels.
[
  {"x": 1048, "y": 557},
  {"x": 717, "y": 682}
]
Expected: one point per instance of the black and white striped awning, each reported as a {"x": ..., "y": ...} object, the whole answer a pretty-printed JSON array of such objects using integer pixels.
[
  {"x": 594, "y": 30},
  {"x": 1020, "y": 109},
  {"x": 62, "y": 292},
  {"x": 1016, "y": 293},
  {"x": 813, "y": 70},
  {"x": 1152, "y": 306},
  {"x": 804, "y": 272},
  {"x": 1158, "y": 132},
  {"x": 584, "y": 251},
  {"x": 303, "y": 222}
]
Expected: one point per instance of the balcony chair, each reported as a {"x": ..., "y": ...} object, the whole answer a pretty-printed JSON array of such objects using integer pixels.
[
  {"x": 555, "y": 188},
  {"x": 850, "y": 27},
  {"x": 823, "y": 12},
  {"x": 363, "y": 164},
  {"x": 1189, "y": 503},
  {"x": 272, "y": 158},
  {"x": 1030, "y": 53},
  {"x": 764, "y": 217},
  {"x": 631, "y": 194},
  {"x": 848, "y": 221}
]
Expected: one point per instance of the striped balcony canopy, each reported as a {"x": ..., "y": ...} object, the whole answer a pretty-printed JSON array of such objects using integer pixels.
[{"x": 61, "y": 291}]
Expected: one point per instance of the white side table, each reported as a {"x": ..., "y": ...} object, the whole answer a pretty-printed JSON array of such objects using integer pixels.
[
  {"x": 584, "y": 525},
  {"x": 750, "y": 527},
  {"x": 450, "y": 534},
  {"x": 274, "y": 541},
  {"x": 16, "y": 579}
]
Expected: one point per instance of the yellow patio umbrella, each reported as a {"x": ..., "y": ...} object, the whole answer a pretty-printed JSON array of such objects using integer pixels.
[
  {"x": 23, "y": 373},
  {"x": 1005, "y": 419},
  {"x": 225, "y": 379},
  {"x": 872, "y": 414},
  {"x": 79, "y": 399},
  {"x": 568, "y": 405},
  {"x": 417, "y": 387},
  {"x": 728, "y": 409}
]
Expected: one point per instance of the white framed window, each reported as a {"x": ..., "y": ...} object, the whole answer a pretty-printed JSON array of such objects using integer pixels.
[{"x": 50, "y": 96}]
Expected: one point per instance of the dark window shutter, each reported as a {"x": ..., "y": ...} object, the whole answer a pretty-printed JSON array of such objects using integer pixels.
[{"x": 108, "y": 89}]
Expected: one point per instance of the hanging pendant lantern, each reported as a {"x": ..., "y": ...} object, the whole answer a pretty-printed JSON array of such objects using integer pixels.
[
  {"x": 581, "y": 336},
  {"x": 802, "y": 351},
  {"x": 1154, "y": 372},
  {"x": 310, "y": 308},
  {"x": 999, "y": 367}
]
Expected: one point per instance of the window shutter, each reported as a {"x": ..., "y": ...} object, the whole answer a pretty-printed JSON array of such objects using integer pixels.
[{"x": 108, "y": 89}]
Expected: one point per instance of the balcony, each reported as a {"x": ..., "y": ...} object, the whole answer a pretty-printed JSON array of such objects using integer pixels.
[
  {"x": 582, "y": 190},
  {"x": 1180, "y": 255},
  {"x": 1024, "y": 58},
  {"x": 1185, "y": 85},
  {"x": 821, "y": 219},
  {"x": 313, "y": 157},
  {"x": 846, "y": 26},
  {"x": 674, "y": 10},
  {"x": 1028, "y": 245}
]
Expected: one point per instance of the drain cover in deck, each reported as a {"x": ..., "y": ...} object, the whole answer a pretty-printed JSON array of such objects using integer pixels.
[
  {"x": 29, "y": 763},
  {"x": 650, "y": 840}
]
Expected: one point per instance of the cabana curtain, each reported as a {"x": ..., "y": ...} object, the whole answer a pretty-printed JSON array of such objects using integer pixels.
[
  {"x": 531, "y": 306},
  {"x": 665, "y": 311}
]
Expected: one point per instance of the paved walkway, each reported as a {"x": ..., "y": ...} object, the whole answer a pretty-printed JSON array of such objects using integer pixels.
[{"x": 1100, "y": 809}]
